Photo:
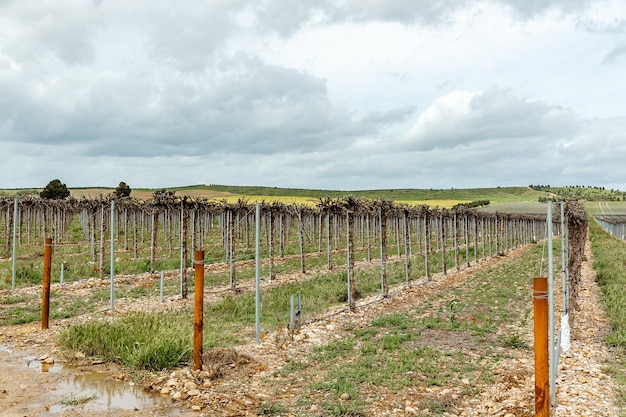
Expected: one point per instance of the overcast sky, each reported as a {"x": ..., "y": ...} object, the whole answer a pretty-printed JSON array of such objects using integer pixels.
[{"x": 333, "y": 94}]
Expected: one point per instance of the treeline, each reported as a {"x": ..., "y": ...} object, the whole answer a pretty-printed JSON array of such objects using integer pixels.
[
  {"x": 472, "y": 204},
  {"x": 579, "y": 192}
]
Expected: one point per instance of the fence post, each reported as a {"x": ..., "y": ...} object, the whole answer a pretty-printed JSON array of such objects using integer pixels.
[
  {"x": 198, "y": 310},
  {"x": 542, "y": 371},
  {"x": 47, "y": 272}
]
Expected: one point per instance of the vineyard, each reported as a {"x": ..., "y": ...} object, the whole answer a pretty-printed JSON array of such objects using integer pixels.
[
  {"x": 331, "y": 255},
  {"x": 161, "y": 234}
]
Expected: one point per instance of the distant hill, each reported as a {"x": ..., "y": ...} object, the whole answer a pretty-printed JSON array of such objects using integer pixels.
[
  {"x": 580, "y": 192},
  {"x": 434, "y": 197}
]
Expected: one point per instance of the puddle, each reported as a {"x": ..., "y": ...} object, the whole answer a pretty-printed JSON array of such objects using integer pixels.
[
  {"x": 92, "y": 392},
  {"x": 34, "y": 364},
  {"x": 101, "y": 393}
]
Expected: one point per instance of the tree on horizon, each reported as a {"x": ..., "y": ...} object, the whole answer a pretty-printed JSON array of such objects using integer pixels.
[
  {"x": 122, "y": 190},
  {"x": 55, "y": 190}
]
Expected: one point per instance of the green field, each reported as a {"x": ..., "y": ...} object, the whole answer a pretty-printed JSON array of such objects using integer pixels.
[{"x": 502, "y": 199}]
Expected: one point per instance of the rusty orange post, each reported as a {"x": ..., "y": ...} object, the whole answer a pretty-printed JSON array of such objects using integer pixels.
[
  {"x": 542, "y": 369},
  {"x": 47, "y": 272},
  {"x": 198, "y": 308}
]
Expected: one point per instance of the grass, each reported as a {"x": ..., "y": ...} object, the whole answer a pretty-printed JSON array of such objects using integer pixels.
[
  {"x": 271, "y": 409},
  {"x": 151, "y": 341},
  {"x": 610, "y": 265},
  {"x": 426, "y": 345},
  {"x": 73, "y": 400},
  {"x": 610, "y": 255}
]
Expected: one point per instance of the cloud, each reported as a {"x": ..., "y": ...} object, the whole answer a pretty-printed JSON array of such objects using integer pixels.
[
  {"x": 34, "y": 30},
  {"x": 242, "y": 105},
  {"x": 528, "y": 9},
  {"x": 615, "y": 54},
  {"x": 466, "y": 118},
  {"x": 287, "y": 17},
  {"x": 325, "y": 94}
]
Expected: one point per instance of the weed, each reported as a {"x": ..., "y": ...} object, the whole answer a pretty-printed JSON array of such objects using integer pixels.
[
  {"x": 9, "y": 299},
  {"x": 73, "y": 401},
  {"x": 271, "y": 409},
  {"x": 514, "y": 341}
]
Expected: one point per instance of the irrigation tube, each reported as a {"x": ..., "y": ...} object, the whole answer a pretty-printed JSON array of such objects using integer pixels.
[
  {"x": 14, "y": 270},
  {"x": 112, "y": 254},
  {"x": 257, "y": 256}
]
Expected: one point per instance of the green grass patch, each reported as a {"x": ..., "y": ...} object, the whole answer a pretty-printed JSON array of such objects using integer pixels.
[
  {"x": 610, "y": 265},
  {"x": 271, "y": 409},
  {"x": 151, "y": 341}
]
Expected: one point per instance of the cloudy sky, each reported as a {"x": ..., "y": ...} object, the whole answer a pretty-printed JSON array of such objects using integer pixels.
[{"x": 333, "y": 94}]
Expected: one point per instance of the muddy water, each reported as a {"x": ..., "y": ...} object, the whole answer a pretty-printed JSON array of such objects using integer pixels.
[
  {"x": 103, "y": 394},
  {"x": 58, "y": 390}
]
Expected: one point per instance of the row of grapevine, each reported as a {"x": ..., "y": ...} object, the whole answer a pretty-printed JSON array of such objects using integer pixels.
[
  {"x": 169, "y": 223},
  {"x": 615, "y": 224}
]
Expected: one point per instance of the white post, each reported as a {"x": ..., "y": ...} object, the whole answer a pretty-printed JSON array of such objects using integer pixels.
[{"x": 161, "y": 286}]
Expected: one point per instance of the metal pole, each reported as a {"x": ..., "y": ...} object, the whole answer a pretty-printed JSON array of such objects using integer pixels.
[
  {"x": 47, "y": 270},
  {"x": 14, "y": 269},
  {"x": 257, "y": 256},
  {"x": 382, "y": 260},
  {"x": 112, "y": 255},
  {"x": 182, "y": 261},
  {"x": 349, "y": 272},
  {"x": 426, "y": 247},
  {"x": 551, "y": 306},
  {"x": 198, "y": 310},
  {"x": 62, "y": 273},
  {"x": 542, "y": 384},
  {"x": 563, "y": 259},
  {"x": 406, "y": 252}
]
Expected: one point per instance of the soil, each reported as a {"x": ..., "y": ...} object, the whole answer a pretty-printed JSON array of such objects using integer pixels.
[{"x": 236, "y": 382}]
